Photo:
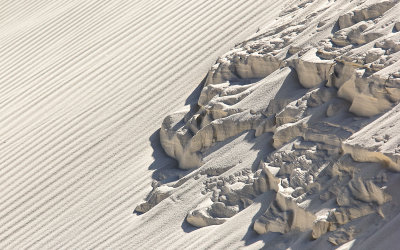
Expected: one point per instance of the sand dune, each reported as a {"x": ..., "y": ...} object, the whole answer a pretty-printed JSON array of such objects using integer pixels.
[
  {"x": 289, "y": 140},
  {"x": 84, "y": 86}
]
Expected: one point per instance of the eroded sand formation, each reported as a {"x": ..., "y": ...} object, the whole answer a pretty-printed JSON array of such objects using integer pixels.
[{"x": 321, "y": 99}]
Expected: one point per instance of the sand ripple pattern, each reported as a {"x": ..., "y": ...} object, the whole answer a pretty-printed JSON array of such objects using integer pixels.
[{"x": 83, "y": 85}]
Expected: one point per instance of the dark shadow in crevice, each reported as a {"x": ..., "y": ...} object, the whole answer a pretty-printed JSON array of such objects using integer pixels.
[
  {"x": 252, "y": 236},
  {"x": 187, "y": 228},
  {"x": 335, "y": 27},
  {"x": 166, "y": 168},
  {"x": 194, "y": 96},
  {"x": 244, "y": 82}
]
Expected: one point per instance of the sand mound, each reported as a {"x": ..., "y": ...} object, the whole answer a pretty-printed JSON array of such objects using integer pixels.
[{"x": 316, "y": 86}]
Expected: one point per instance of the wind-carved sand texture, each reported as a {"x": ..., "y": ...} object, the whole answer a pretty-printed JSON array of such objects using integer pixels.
[
  {"x": 289, "y": 141},
  {"x": 316, "y": 93}
]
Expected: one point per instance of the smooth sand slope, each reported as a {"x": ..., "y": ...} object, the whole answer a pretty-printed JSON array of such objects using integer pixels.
[{"x": 84, "y": 86}]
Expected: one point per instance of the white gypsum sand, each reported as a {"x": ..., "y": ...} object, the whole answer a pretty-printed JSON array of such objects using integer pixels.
[{"x": 290, "y": 141}]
